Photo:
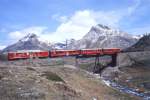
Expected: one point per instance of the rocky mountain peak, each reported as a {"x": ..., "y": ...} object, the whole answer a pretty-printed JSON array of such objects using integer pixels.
[
  {"x": 29, "y": 42},
  {"x": 32, "y": 42},
  {"x": 29, "y": 37},
  {"x": 32, "y": 35},
  {"x": 103, "y": 26},
  {"x": 103, "y": 30},
  {"x": 102, "y": 36}
]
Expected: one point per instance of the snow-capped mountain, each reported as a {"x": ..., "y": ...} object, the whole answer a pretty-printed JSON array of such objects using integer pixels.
[
  {"x": 101, "y": 36},
  {"x": 58, "y": 46},
  {"x": 32, "y": 42},
  {"x": 29, "y": 42}
]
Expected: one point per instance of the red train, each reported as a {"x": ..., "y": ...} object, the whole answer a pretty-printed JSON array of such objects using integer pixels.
[
  {"x": 27, "y": 55},
  {"x": 86, "y": 52},
  {"x": 61, "y": 53}
]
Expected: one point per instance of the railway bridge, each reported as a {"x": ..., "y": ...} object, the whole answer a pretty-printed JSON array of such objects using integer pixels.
[
  {"x": 83, "y": 53},
  {"x": 98, "y": 67}
]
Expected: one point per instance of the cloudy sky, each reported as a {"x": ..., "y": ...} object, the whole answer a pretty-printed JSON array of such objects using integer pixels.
[{"x": 57, "y": 20}]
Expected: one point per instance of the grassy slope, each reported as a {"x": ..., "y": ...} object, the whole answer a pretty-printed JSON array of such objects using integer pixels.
[{"x": 63, "y": 83}]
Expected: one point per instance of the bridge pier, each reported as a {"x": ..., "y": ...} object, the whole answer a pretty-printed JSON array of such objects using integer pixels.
[
  {"x": 114, "y": 60},
  {"x": 97, "y": 66},
  {"x": 76, "y": 61}
]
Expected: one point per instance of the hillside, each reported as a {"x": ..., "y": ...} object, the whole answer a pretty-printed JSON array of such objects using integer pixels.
[
  {"x": 142, "y": 45},
  {"x": 41, "y": 81}
]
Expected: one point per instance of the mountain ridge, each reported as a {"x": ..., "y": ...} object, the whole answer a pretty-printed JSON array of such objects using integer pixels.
[
  {"x": 101, "y": 36},
  {"x": 29, "y": 42},
  {"x": 142, "y": 45}
]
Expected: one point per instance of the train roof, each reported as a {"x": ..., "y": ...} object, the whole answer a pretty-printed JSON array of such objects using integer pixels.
[
  {"x": 99, "y": 48},
  {"x": 64, "y": 50},
  {"x": 22, "y": 51},
  {"x": 92, "y": 49}
]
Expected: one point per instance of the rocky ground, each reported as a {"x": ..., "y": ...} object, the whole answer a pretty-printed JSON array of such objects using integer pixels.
[
  {"x": 47, "y": 80},
  {"x": 134, "y": 80},
  {"x": 131, "y": 75},
  {"x": 132, "y": 72}
]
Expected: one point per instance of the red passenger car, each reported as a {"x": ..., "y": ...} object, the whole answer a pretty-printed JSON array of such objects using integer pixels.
[
  {"x": 61, "y": 53},
  {"x": 40, "y": 54},
  {"x": 17, "y": 55},
  {"x": 91, "y": 52},
  {"x": 27, "y": 55},
  {"x": 111, "y": 51}
]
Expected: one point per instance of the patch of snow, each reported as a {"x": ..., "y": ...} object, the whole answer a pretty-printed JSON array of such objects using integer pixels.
[
  {"x": 108, "y": 83},
  {"x": 137, "y": 36}
]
